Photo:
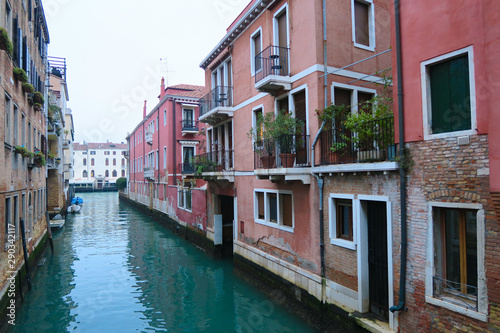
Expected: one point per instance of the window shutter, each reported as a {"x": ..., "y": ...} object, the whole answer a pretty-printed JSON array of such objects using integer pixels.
[
  {"x": 361, "y": 23},
  {"x": 15, "y": 40},
  {"x": 342, "y": 96}
]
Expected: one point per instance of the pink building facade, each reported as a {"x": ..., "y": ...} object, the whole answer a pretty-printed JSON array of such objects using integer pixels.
[
  {"x": 160, "y": 158},
  {"x": 307, "y": 222},
  {"x": 450, "y": 86}
]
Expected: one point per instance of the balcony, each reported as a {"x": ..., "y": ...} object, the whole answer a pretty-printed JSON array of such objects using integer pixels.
[
  {"x": 149, "y": 137},
  {"x": 345, "y": 151},
  {"x": 53, "y": 130},
  {"x": 189, "y": 126},
  {"x": 272, "y": 72},
  {"x": 66, "y": 144},
  {"x": 283, "y": 158},
  {"x": 149, "y": 173},
  {"x": 217, "y": 105},
  {"x": 215, "y": 165},
  {"x": 53, "y": 163}
]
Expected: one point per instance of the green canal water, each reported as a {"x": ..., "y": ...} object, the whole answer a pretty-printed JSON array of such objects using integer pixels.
[{"x": 116, "y": 270}]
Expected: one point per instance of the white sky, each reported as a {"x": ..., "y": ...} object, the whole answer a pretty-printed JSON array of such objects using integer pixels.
[{"x": 113, "y": 50}]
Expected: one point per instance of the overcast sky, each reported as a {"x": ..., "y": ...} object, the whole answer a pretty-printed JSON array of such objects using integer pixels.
[{"x": 113, "y": 50}]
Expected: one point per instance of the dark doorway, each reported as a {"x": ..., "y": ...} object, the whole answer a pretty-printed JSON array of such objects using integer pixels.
[
  {"x": 377, "y": 258},
  {"x": 227, "y": 211}
]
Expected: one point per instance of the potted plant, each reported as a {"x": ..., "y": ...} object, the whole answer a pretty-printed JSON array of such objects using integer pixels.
[
  {"x": 5, "y": 43},
  {"x": 203, "y": 164},
  {"x": 281, "y": 129},
  {"x": 39, "y": 159},
  {"x": 23, "y": 151},
  {"x": 334, "y": 117},
  {"x": 38, "y": 98},
  {"x": 20, "y": 75},
  {"x": 28, "y": 88}
]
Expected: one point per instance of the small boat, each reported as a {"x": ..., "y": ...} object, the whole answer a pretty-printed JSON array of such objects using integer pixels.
[
  {"x": 74, "y": 209},
  {"x": 57, "y": 222},
  {"x": 77, "y": 201}
]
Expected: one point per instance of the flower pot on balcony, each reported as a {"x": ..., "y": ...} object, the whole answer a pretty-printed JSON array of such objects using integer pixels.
[
  {"x": 219, "y": 168},
  {"x": 287, "y": 160},
  {"x": 268, "y": 162}
]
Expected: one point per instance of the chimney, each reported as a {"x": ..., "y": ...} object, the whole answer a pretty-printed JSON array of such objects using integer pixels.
[
  {"x": 162, "y": 88},
  {"x": 144, "y": 112}
]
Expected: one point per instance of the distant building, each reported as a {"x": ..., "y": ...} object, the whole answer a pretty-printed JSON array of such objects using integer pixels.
[{"x": 98, "y": 165}]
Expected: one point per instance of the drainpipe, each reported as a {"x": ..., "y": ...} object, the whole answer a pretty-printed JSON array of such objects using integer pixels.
[
  {"x": 402, "y": 177},
  {"x": 174, "y": 145},
  {"x": 325, "y": 57}
]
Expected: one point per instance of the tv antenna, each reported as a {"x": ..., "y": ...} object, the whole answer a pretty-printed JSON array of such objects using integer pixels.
[{"x": 164, "y": 62}]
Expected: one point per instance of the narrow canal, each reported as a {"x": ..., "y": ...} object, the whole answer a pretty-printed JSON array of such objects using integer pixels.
[{"x": 116, "y": 270}]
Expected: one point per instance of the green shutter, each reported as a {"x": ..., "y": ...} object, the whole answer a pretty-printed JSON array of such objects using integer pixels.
[{"x": 450, "y": 95}]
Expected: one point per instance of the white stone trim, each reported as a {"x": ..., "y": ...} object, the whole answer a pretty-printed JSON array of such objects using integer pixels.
[
  {"x": 371, "y": 25},
  {"x": 252, "y": 50},
  {"x": 278, "y": 224},
  {"x": 426, "y": 100},
  {"x": 332, "y": 213}
]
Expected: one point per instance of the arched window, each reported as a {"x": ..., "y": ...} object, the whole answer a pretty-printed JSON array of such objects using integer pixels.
[
  {"x": 123, "y": 173},
  {"x": 107, "y": 161},
  {"x": 92, "y": 174},
  {"x": 114, "y": 161},
  {"x": 106, "y": 174},
  {"x": 115, "y": 174},
  {"x": 92, "y": 163},
  {"x": 84, "y": 161},
  {"x": 123, "y": 161},
  {"x": 85, "y": 174}
]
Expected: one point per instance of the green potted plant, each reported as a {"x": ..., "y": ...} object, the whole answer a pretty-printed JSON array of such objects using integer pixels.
[
  {"x": 37, "y": 107},
  {"x": 203, "y": 164},
  {"x": 20, "y": 75},
  {"x": 22, "y": 150},
  {"x": 28, "y": 88},
  {"x": 334, "y": 117},
  {"x": 5, "y": 43},
  {"x": 38, "y": 98},
  {"x": 281, "y": 129},
  {"x": 39, "y": 159}
]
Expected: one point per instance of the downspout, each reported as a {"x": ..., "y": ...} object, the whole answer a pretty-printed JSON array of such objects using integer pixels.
[
  {"x": 174, "y": 145},
  {"x": 402, "y": 177}
]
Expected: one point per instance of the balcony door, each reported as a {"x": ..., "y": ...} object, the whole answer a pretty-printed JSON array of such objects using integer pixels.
[
  {"x": 280, "y": 53},
  {"x": 187, "y": 159}
]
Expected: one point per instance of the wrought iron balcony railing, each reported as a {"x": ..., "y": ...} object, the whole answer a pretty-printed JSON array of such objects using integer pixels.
[
  {"x": 217, "y": 160},
  {"x": 271, "y": 61},
  {"x": 340, "y": 145},
  {"x": 286, "y": 151},
  {"x": 221, "y": 96},
  {"x": 454, "y": 292},
  {"x": 189, "y": 125}
]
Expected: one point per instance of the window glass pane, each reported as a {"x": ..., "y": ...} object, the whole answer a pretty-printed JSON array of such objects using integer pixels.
[
  {"x": 272, "y": 201},
  {"x": 344, "y": 219},
  {"x": 256, "y": 45},
  {"x": 188, "y": 199},
  {"x": 286, "y": 209},
  {"x": 471, "y": 240},
  {"x": 452, "y": 237},
  {"x": 260, "y": 205}
]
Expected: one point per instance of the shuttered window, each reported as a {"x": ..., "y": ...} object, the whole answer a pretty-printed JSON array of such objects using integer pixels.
[
  {"x": 256, "y": 42},
  {"x": 450, "y": 95},
  {"x": 361, "y": 22}
]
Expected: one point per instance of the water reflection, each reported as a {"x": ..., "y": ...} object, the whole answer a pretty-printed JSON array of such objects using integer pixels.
[{"x": 116, "y": 270}]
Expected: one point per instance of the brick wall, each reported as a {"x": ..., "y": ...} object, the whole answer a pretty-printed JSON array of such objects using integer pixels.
[{"x": 447, "y": 172}]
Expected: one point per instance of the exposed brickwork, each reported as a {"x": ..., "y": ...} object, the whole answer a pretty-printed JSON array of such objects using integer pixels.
[{"x": 447, "y": 172}]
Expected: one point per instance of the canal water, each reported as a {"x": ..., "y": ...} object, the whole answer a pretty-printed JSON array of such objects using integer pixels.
[{"x": 116, "y": 270}]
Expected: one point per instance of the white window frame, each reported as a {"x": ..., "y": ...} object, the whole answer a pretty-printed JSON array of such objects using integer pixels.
[
  {"x": 165, "y": 117},
  {"x": 8, "y": 119},
  {"x": 291, "y": 103},
  {"x": 186, "y": 146},
  {"x": 157, "y": 162},
  {"x": 164, "y": 157},
  {"x": 332, "y": 211},
  {"x": 254, "y": 120},
  {"x": 275, "y": 29},
  {"x": 482, "y": 297},
  {"x": 426, "y": 94},
  {"x": 354, "y": 94},
  {"x": 252, "y": 50},
  {"x": 371, "y": 25},
  {"x": 265, "y": 221},
  {"x": 182, "y": 191}
]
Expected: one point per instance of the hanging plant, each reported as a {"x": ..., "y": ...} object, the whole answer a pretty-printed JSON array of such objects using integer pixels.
[
  {"x": 20, "y": 75},
  {"x": 37, "y": 106},
  {"x": 28, "y": 88},
  {"x": 39, "y": 159},
  {"x": 38, "y": 98},
  {"x": 5, "y": 43}
]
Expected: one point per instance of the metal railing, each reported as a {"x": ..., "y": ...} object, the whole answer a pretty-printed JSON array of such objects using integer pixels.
[
  {"x": 286, "y": 151},
  {"x": 189, "y": 125},
  {"x": 340, "y": 145},
  {"x": 271, "y": 61},
  {"x": 221, "y": 96},
  {"x": 149, "y": 137},
  {"x": 217, "y": 160},
  {"x": 454, "y": 292},
  {"x": 149, "y": 173}
]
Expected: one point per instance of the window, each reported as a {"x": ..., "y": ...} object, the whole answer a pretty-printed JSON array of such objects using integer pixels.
[
  {"x": 184, "y": 198},
  {"x": 8, "y": 124},
  {"x": 188, "y": 153},
  {"x": 259, "y": 128},
  {"x": 106, "y": 173},
  {"x": 363, "y": 25},
  {"x": 123, "y": 173},
  {"x": 114, "y": 161},
  {"x": 164, "y": 117},
  {"x": 342, "y": 215},
  {"x": 106, "y": 162},
  {"x": 15, "y": 125},
  {"x": 92, "y": 162},
  {"x": 274, "y": 208},
  {"x": 84, "y": 174},
  {"x": 84, "y": 162},
  {"x": 164, "y": 157},
  {"x": 114, "y": 152},
  {"x": 115, "y": 174},
  {"x": 8, "y": 220},
  {"x": 92, "y": 174},
  {"x": 92, "y": 152},
  {"x": 84, "y": 153},
  {"x": 255, "y": 50},
  {"x": 448, "y": 95},
  {"x": 456, "y": 278},
  {"x": 188, "y": 118},
  {"x": 123, "y": 161},
  {"x": 156, "y": 159}
]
